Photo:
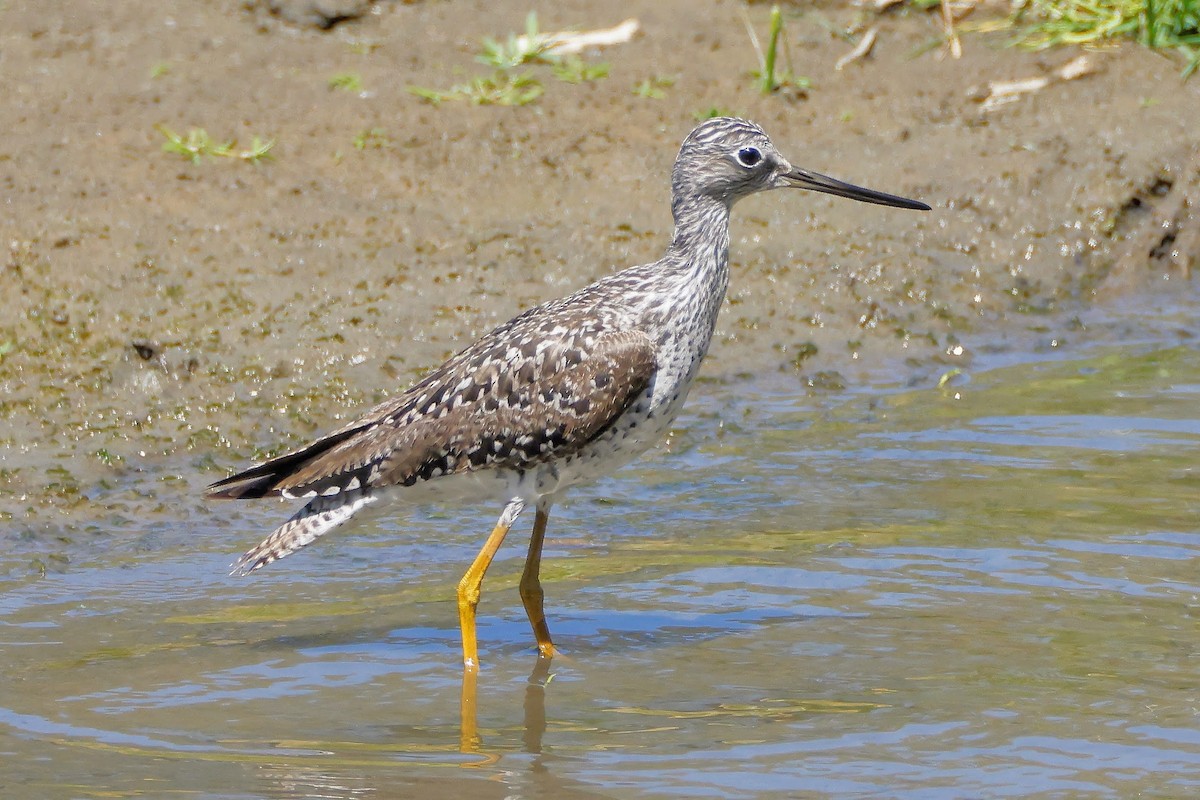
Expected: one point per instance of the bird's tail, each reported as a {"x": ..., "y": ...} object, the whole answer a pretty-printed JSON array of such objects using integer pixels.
[{"x": 319, "y": 517}]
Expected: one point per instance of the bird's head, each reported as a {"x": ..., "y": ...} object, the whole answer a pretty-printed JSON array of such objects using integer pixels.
[{"x": 726, "y": 158}]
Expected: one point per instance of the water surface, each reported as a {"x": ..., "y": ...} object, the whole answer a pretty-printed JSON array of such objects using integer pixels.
[{"x": 983, "y": 589}]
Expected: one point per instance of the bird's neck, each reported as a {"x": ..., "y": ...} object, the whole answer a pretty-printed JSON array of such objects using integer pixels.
[
  {"x": 700, "y": 245},
  {"x": 695, "y": 273}
]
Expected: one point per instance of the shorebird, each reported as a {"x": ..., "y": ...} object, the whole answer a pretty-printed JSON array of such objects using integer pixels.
[{"x": 561, "y": 394}]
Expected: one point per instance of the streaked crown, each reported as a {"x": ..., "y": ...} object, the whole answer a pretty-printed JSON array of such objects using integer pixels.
[{"x": 725, "y": 158}]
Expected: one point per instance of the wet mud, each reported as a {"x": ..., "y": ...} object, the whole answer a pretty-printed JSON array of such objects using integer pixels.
[{"x": 157, "y": 311}]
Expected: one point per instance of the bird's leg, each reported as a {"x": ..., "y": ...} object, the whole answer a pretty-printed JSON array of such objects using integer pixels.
[
  {"x": 531, "y": 584},
  {"x": 469, "y": 586},
  {"x": 468, "y": 724}
]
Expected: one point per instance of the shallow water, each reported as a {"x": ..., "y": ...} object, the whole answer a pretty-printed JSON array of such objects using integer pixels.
[{"x": 985, "y": 589}]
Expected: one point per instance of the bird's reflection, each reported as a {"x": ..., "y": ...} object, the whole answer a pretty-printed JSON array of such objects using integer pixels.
[
  {"x": 539, "y": 778},
  {"x": 535, "y": 705},
  {"x": 415, "y": 761},
  {"x": 535, "y": 712}
]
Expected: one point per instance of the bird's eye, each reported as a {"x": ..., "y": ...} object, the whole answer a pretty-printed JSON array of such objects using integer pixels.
[{"x": 749, "y": 156}]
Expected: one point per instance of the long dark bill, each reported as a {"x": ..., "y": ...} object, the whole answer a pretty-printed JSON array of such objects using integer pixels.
[{"x": 805, "y": 179}]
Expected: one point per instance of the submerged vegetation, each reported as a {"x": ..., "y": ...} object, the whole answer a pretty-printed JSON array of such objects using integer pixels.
[
  {"x": 574, "y": 69},
  {"x": 1169, "y": 24},
  {"x": 505, "y": 87},
  {"x": 372, "y": 139},
  {"x": 654, "y": 88},
  {"x": 769, "y": 76},
  {"x": 1157, "y": 24},
  {"x": 197, "y": 144},
  {"x": 346, "y": 82},
  {"x": 501, "y": 88},
  {"x": 518, "y": 50}
]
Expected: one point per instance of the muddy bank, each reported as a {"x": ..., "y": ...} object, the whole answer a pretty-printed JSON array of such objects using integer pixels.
[{"x": 152, "y": 307}]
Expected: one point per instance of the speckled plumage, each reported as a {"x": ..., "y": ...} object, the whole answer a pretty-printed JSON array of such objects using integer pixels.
[{"x": 566, "y": 391}]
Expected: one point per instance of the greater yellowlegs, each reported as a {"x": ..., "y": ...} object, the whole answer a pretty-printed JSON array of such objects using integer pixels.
[{"x": 561, "y": 394}]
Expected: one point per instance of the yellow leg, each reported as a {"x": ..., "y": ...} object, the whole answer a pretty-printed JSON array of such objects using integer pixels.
[
  {"x": 469, "y": 586},
  {"x": 468, "y": 726},
  {"x": 531, "y": 585}
]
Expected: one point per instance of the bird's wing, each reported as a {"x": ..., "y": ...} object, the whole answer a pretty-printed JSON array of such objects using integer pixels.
[{"x": 506, "y": 402}]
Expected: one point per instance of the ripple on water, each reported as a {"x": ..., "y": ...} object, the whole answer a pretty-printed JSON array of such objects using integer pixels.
[{"x": 887, "y": 593}]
